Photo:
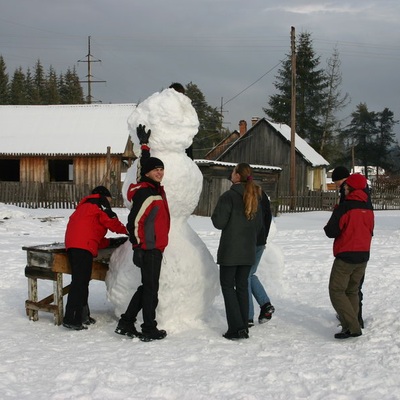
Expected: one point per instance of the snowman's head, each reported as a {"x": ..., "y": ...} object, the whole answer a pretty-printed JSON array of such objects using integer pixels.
[{"x": 170, "y": 116}]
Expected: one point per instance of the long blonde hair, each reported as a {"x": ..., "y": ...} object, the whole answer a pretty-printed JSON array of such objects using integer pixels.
[{"x": 252, "y": 192}]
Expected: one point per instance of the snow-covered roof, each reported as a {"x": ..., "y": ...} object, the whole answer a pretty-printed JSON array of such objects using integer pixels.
[
  {"x": 230, "y": 164},
  {"x": 314, "y": 158},
  {"x": 64, "y": 129}
]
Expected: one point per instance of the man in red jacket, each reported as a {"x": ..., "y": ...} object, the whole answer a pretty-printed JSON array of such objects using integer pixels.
[
  {"x": 351, "y": 225},
  {"x": 85, "y": 234},
  {"x": 148, "y": 226}
]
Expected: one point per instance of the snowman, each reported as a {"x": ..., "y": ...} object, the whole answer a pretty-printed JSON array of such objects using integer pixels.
[{"x": 189, "y": 279}]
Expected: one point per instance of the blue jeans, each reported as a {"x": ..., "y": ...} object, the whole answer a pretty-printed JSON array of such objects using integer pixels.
[{"x": 256, "y": 288}]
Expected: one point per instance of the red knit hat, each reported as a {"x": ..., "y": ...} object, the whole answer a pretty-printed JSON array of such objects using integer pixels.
[{"x": 357, "y": 181}]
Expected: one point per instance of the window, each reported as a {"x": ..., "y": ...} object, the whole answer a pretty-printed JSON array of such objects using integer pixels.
[
  {"x": 9, "y": 170},
  {"x": 61, "y": 170}
]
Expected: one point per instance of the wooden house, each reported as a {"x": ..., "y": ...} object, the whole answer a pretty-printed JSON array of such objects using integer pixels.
[
  {"x": 70, "y": 144},
  {"x": 268, "y": 143}
]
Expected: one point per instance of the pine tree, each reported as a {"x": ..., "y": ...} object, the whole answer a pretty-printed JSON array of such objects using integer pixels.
[
  {"x": 39, "y": 85},
  {"x": 4, "y": 89},
  {"x": 311, "y": 93},
  {"x": 52, "y": 94},
  {"x": 209, "y": 133},
  {"x": 18, "y": 93},
  {"x": 72, "y": 93}
]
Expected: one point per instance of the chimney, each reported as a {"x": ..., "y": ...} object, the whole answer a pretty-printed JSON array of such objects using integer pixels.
[
  {"x": 254, "y": 120},
  {"x": 242, "y": 127}
]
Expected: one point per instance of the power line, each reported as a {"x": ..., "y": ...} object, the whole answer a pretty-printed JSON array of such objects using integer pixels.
[{"x": 248, "y": 87}]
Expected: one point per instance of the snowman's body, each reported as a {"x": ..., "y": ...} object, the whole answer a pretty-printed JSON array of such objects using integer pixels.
[{"x": 189, "y": 275}]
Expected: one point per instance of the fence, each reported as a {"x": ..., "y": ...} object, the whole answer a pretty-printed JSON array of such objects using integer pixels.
[{"x": 68, "y": 195}]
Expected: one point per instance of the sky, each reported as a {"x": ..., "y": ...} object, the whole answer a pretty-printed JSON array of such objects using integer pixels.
[
  {"x": 293, "y": 356},
  {"x": 230, "y": 49}
]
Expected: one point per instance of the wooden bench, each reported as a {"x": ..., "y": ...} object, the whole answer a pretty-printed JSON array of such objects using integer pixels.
[{"x": 50, "y": 262}]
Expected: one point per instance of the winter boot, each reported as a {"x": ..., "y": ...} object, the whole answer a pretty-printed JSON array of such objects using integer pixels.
[{"x": 266, "y": 313}]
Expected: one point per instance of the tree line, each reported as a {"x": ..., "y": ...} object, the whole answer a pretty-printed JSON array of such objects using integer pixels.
[{"x": 39, "y": 87}]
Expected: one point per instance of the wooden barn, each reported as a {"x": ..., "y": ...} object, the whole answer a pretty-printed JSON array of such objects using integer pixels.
[
  {"x": 268, "y": 143},
  {"x": 84, "y": 145}
]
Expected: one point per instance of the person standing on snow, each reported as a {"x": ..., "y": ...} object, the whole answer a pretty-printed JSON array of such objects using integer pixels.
[
  {"x": 339, "y": 176},
  {"x": 256, "y": 288},
  {"x": 238, "y": 215},
  {"x": 351, "y": 225},
  {"x": 148, "y": 226},
  {"x": 84, "y": 236}
]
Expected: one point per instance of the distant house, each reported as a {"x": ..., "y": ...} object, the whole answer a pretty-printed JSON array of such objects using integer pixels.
[
  {"x": 76, "y": 144},
  {"x": 268, "y": 143}
]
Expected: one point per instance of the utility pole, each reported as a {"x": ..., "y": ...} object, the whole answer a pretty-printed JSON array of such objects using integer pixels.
[
  {"x": 293, "y": 124},
  {"x": 89, "y": 60}
]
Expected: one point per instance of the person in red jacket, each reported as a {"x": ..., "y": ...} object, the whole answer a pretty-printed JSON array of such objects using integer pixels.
[
  {"x": 351, "y": 225},
  {"x": 84, "y": 236},
  {"x": 148, "y": 226}
]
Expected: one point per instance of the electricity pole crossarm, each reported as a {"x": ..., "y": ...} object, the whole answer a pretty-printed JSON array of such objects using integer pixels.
[{"x": 89, "y": 60}]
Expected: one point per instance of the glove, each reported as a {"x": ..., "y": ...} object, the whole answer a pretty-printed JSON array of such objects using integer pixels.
[
  {"x": 142, "y": 135},
  {"x": 116, "y": 242},
  {"x": 138, "y": 257}
]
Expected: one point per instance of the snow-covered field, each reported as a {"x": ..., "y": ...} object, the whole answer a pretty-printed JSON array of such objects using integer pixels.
[{"x": 294, "y": 356}]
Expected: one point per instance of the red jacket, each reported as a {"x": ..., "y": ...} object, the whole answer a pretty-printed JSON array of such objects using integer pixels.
[
  {"x": 149, "y": 219},
  {"x": 352, "y": 225},
  {"x": 89, "y": 223}
]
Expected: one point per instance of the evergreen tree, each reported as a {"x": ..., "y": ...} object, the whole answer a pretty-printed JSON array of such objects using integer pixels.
[
  {"x": 311, "y": 93},
  {"x": 4, "y": 89},
  {"x": 39, "y": 85},
  {"x": 30, "y": 88},
  {"x": 18, "y": 93},
  {"x": 209, "y": 133},
  {"x": 52, "y": 94},
  {"x": 361, "y": 135},
  {"x": 385, "y": 139},
  {"x": 72, "y": 92}
]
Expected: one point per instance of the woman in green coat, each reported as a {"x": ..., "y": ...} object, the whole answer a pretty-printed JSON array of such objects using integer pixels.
[{"x": 238, "y": 215}]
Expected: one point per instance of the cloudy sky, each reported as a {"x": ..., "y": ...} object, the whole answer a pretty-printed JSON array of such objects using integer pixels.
[{"x": 231, "y": 49}]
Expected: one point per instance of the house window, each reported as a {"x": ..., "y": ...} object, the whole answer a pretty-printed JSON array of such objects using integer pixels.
[
  {"x": 61, "y": 170},
  {"x": 9, "y": 170}
]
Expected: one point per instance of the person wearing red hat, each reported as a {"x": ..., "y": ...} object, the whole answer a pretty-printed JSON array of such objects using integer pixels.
[{"x": 351, "y": 225}]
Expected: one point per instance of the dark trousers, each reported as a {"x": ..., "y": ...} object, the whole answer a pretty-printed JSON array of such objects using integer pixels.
[
  {"x": 234, "y": 286},
  {"x": 81, "y": 267},
  {"x": 146, "y": 296},
  {"x": 344, "y": 285}
]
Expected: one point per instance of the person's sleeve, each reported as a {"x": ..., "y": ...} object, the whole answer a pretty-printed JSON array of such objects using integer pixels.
[
  {"x": 267, "y": 213},
  {"x": 222, "y": 212},
  {"x": 332, "y": 228}
]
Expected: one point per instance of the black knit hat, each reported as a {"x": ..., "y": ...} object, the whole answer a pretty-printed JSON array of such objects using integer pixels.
[
  {"x": 340, "y": 173},
  {"x": 102, "y": 191},
  {"x": 150, "y": 164}
]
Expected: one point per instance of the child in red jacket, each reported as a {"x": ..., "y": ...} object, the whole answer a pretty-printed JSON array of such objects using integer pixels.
[{"x": 85, "y": 234}]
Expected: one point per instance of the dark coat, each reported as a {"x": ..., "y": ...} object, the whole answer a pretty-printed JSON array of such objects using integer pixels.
[
  {"x": 267, "y": 219},
  {"x": 237, "y": 245}
]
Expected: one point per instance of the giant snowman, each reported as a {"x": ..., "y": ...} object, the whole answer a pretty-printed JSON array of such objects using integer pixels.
[{"x": 189, "y": 279}]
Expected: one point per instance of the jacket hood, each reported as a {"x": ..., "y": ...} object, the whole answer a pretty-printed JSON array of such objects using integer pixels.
[{"x": 358, "y": 195}]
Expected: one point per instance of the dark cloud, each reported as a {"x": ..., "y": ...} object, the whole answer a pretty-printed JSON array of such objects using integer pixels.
[{"x": 226, "y": 47}]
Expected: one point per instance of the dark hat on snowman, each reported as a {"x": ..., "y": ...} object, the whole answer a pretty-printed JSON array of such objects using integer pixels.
[{"x": 150, "y": 164}]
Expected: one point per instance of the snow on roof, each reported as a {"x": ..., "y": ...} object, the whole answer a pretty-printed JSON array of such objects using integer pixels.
[
  {"x": 231, "y": 164},
  {"x": 301, "y": 145},
  {"x": 64, "y": 129}
]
